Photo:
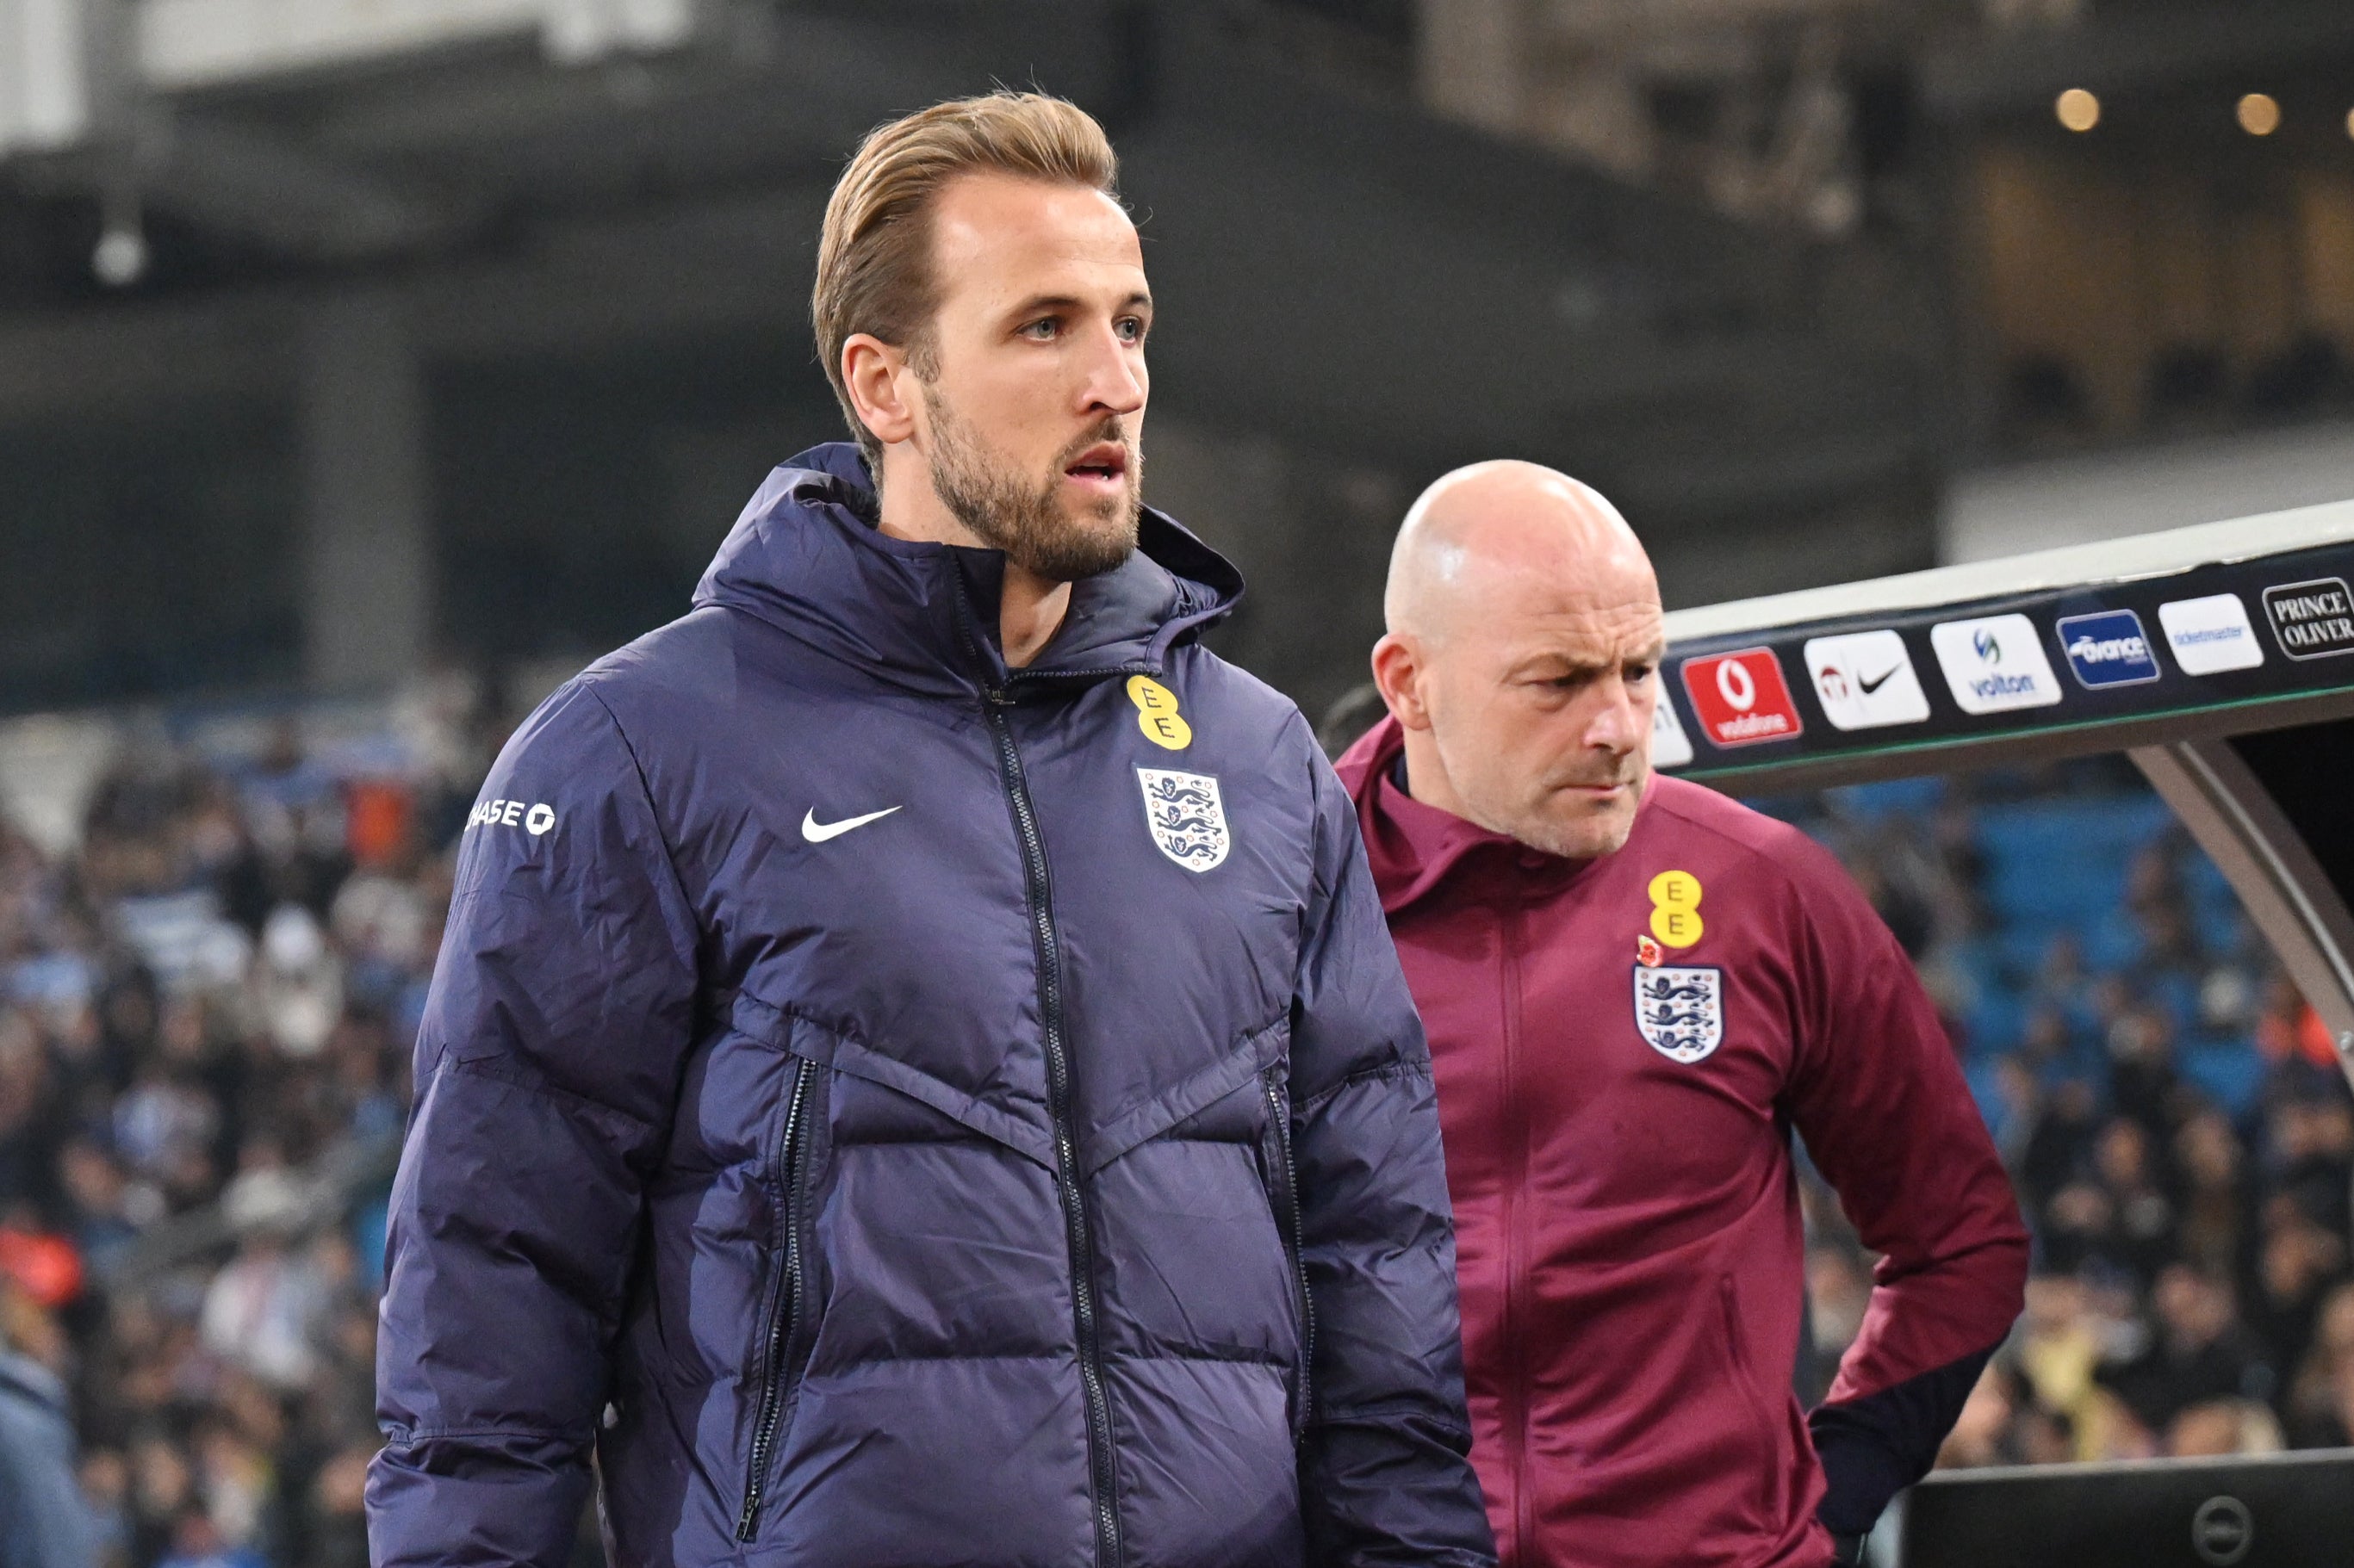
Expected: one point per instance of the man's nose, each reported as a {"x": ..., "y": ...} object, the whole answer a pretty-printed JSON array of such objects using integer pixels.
[
  {"x": 1115, "y": 380},
  {"x": 1616, "y": 726}
]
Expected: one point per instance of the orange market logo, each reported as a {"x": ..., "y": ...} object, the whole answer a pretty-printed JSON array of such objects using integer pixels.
[{"x": 535, "y": 819}]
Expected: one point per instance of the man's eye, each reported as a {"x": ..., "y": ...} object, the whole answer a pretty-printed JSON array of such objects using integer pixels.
[
  {"x": 1041, "y": 330},
  {"x": 1132, "y": 329}
]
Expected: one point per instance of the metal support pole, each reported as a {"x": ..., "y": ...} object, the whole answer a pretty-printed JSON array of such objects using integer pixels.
[{"x": 2284, "y": 890}]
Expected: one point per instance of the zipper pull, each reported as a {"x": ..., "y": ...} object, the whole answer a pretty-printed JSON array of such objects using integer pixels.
[{"x": 998, "y": 696}]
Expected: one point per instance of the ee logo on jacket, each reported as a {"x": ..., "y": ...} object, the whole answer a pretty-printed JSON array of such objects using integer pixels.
[
  {"x": 1157, "y": 714},
  {"x": 1679, "y": 1011},
  {"x": 1184, "y": 812},
  {"x": 1675, "y": 908}
]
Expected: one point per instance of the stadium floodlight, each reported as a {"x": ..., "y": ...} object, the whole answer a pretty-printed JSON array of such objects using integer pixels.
[
  {"x": 45, "y": 86},
  {"x": 2220, "y": 657},
  {"x": 194, "y": 43}
]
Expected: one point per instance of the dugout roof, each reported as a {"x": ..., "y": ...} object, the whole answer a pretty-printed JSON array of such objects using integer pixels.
[{"x": 2220, "y": 657}]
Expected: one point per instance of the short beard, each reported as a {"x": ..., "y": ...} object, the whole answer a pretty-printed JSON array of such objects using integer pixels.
[{"x": 1028, "y": 524}]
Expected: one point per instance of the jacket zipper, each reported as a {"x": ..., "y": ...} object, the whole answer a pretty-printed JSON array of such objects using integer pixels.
[
  {"x": 1516, "y": 1184},
  {"x": 1077, "y": 1233},
  {"x": 784, "y": 1312},
  {"x": 1293, "y": 1248}
]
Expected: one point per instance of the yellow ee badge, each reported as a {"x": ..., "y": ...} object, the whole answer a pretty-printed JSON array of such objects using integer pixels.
[
  {"x": 1157, "y": 714},
  {"x": 1675, "y": 908}
]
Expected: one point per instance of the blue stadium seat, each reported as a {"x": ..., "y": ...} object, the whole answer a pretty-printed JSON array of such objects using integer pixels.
[
  {"x": 2064, "y": 861},
  {"x": 1986, "y": 1089},
  {"x": 1906, "y": 797},
  {"x": 2229, "y": 1072}
]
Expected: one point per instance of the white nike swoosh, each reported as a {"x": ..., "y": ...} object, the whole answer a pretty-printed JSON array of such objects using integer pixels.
[{"x": 817, "y": 833}]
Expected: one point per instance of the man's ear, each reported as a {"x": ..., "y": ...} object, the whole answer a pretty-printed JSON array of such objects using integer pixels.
[
  {"x": 877, "y": 376},
  {"x": 1398, "y": 672}
]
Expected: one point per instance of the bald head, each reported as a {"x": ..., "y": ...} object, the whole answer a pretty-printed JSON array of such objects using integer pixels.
[
  {"x": 1523, "y": 656},
  {"x": 1484, "y": 538}
]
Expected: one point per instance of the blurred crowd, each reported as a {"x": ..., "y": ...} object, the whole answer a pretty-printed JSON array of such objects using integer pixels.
[
  {"x": 2171, "y": 1112},
  {"x": 205, "y": 1006}
]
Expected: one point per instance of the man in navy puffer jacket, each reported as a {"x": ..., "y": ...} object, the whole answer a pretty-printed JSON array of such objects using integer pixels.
[{"x": 915, "y": 1074}]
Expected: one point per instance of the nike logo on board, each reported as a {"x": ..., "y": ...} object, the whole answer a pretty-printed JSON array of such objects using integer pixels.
[
  {"x": 1880, "y": 680},
  {"x": 817, "y": 833}
]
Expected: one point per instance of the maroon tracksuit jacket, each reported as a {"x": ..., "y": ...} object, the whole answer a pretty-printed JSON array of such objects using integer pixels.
[{"x": 1623, "y": 1047}]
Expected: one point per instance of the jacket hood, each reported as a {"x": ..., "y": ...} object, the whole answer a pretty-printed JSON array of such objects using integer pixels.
[
  {"x": 1412, "y": 847},
  {"x": 807, "y": 558}
]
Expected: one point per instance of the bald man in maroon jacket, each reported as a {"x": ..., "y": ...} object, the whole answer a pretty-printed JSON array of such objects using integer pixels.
[{"x": 1636, "y": 990}]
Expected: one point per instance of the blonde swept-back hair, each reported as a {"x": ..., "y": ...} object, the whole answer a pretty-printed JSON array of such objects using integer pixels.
[{"x": 874, "y": 255}]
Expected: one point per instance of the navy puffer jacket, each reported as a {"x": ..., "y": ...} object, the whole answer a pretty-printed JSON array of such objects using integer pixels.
[{"x": 898, "y": 1112}]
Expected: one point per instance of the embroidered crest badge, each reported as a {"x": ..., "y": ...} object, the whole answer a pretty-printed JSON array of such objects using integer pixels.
[
  {"x": 1681, "y": 1010},
  {"x": 1187, "y": 817}
]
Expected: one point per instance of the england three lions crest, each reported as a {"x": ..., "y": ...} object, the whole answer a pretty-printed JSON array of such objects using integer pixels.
[
  {"x": 1187, "y": 817},
  {"x": 1681, "y": 1010}
]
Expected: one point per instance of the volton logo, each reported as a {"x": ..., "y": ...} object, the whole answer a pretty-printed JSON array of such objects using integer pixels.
[{"x": 1994, "y": 664}]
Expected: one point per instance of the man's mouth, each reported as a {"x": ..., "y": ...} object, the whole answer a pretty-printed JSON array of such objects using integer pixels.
[{"x": 1101, "y": 469}]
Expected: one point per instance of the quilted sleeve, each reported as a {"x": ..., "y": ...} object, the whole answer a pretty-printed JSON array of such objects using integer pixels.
[
  {"x": 1384, "y": 1472},
  {"x": 547, "y": 1067}
]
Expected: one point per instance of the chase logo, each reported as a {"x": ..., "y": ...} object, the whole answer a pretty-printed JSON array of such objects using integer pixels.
[
  {"x": 1994, "y": 664},
  {"x": 2108, "y": 649},
  {"x": 534, "y": 819}
]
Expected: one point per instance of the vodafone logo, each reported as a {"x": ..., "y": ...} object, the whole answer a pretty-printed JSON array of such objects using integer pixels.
[
  {"x": 1736, "y": 685},
  {"x": 1741, "y": 698}
]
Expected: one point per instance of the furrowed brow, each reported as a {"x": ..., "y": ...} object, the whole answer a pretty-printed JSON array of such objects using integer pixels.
[
  {"x": 1042, "y": 304},
  {"x": 1562, "y": 667}
]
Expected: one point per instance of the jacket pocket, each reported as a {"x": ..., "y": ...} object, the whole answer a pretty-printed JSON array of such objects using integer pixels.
[
  {"x": 1283, "y": 1195},
  {"x": 787, "y": 1314}
]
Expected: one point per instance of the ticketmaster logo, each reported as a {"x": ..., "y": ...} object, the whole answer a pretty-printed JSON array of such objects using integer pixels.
[
  {"x": 1994, "y": 664},
  {"x": 2210, "y": 634}
]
